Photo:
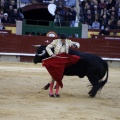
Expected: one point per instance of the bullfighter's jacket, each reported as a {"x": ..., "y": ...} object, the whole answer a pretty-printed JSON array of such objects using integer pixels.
[{"x": 57, "y": 44}]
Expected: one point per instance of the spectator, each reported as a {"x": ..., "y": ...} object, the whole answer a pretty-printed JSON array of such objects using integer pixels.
[
  {"x": 105, "y": 31},
  {"x": 103, "y": 22},
  {"x": 4, "y": 4},
  {"x": 87, "y": 7},
  {"x": 88, "y": 13},
  {"x": 89, "y": 26},
  {"x": 109, "y": 24},
  {"x": 113, "y": 21},
  {"x": 5, "y": 19},
  {"x": 71, "y": 16},
  {"x": 13, "y": 4},
  {"x": 97, "y": 17},
  {"x": 89, "y": 20},
  {"x": 112, "y": 11},
  {"x": 2, "y": 26},
  {"x": 102, "y": 4},
  {"x": 1, "y": 15},
  {"x": 117, "y": 8},
  {"x": 102, "y": 25},
  {"x": 21, "y": 14},
  {"x": 117, "y": 2},
  {"x": 96, "y": 24},
  {"x": 92, "y": 5},
  {"x": 81, "y": 11},
  {"x": 114, "y": 14},
  {"x": 95, "y": 10},
  {"x": 81, "y": 18},
  {"x": 118, "y": 25},
  {"x": 10, "y": 12},
  {"x": 68, "y": 17},
  {"x": 83, "y": 3},
  {"x": 95, "y": 2},
  {"x": 110, "y": 4},
  {"x": 60, "y": 16},
  {"x": 105, "y": 12},
  {"x": 15, "y": 16}
]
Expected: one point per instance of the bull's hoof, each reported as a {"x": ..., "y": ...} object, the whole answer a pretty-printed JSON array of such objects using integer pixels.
[
  {"x": 92, "y": 93},
  {"x": 51, "y": 95},
  {"x": 57, "y": 95}
]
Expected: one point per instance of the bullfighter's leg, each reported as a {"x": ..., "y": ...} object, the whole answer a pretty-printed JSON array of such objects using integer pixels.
[
  {"x": 51, "y": 88},
  {"x": 57, "y": 90}
]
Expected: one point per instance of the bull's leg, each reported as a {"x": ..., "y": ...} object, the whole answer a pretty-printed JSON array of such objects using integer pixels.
[
  {"x": 94, "y": 80},
  {"x": 93, "y": 91}
]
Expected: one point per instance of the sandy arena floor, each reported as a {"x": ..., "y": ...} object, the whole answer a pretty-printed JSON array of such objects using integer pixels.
[{"x": 22, "y": 96}]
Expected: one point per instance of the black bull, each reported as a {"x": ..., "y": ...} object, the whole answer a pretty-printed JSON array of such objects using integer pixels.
[{"x": 89, "y": 65}]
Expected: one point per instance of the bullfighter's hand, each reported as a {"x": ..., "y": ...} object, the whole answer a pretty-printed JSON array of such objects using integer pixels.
[
  {"x": 53, "y": 55},
  {"x": 74, "y": 46}
]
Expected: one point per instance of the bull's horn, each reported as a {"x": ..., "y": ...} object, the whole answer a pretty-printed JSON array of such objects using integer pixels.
[
  {"x": 36, "y": 45},
  {"x": 43, "y": 52}
]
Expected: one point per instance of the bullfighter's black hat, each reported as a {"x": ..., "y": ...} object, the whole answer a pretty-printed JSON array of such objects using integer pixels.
[{"x": 63, "y": 36}]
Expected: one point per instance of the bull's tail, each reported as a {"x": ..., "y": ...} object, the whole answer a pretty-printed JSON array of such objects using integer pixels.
[
  {"x": 100, "y": 85},
  {"x": 103, "y": 82}
]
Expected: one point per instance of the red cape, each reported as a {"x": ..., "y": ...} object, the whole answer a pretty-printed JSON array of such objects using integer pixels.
[{"x": 56, "y": 65}]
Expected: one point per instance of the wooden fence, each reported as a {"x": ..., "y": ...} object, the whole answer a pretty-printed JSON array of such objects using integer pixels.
[{"x": 22, "y": 44}]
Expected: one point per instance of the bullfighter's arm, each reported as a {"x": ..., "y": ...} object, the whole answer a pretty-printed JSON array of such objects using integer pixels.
[
  {"x": 76, "y": 44},
  {"x": 49, "y": 47}
]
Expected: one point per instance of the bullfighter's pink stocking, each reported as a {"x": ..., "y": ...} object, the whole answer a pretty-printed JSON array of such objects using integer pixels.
[
  {"x": 57, "y": 88},
  {"x": 51, "y": 88}
]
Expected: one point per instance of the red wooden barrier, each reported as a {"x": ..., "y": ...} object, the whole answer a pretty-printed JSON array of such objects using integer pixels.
[{"x": 23, "y": 44}]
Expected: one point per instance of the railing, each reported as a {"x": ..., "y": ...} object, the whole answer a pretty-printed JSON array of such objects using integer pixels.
[{"x": 40, "y": 26}]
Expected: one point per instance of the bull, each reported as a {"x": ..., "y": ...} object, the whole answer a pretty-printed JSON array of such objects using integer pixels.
[{"x": 90, "y": 65}]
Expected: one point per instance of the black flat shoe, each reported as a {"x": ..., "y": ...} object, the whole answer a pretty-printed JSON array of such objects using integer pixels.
[
  {"x": 57, "y": 95},
  {"x": 51, "y": 95}
]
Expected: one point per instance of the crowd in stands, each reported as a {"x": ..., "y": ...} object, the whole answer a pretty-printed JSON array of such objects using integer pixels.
[
  {"x": 9, "y": 12},
  {"x": 99, "y": 14},
  {"x": 2, "y": 26},
  {"x": 65, "y": 17}
]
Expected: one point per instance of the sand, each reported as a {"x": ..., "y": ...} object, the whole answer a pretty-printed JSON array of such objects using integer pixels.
[{"x": 22, "y": 96}]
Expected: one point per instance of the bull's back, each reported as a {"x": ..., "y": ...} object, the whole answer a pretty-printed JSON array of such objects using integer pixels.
[{"x": 89, "y": 58}]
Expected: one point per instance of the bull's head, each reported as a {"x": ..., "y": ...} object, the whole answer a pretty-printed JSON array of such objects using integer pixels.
[{"x": 40, "y": 54}]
